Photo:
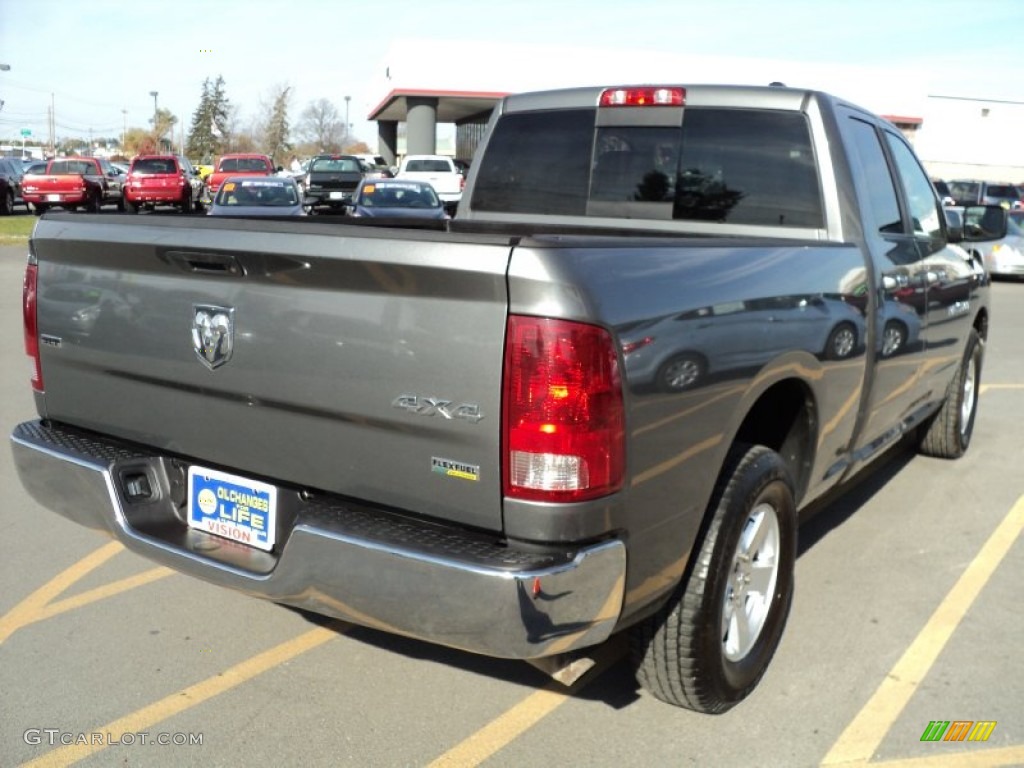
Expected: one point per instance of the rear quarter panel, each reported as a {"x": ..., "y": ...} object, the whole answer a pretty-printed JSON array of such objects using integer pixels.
[{"x": 677, "y": 441}]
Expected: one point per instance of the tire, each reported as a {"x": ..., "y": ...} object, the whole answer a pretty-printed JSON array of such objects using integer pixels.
[
  {"x": 894, "y": 338},
  {"x": 842, "y": 342},
  {"x": 129, "y": 206},
  {"x": 680, "y": 372},
  {"x": 186, "y": 203},
  {"x": 95, "y": 203},
  {"x": 694, "y": 653},
  {"x": 38, "y": 209},
  {"x": 120, "y": 203},
  {"x": 7, "y": 203},
  {"x": 948, "y": 433}
]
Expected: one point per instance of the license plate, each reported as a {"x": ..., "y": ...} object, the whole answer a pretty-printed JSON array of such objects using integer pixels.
[
  {"x": 337, "y": 195},
  {"x": 232, "y": 507},
  {"x": 53, "y": 198}
]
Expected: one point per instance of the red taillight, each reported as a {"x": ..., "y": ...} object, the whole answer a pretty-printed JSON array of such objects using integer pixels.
[
  {"x": 28, "y": 307},
  {"x": 633, "y": 346},
  {"x": 643, "y": 97},
  {"x": 563, "y": 424}
]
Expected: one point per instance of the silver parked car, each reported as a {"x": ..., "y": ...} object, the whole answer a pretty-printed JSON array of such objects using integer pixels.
[
  {"x": 1003, "y": 257},
  {"x": 258, "y": 196},
  {"x": 676, "y": 353}
]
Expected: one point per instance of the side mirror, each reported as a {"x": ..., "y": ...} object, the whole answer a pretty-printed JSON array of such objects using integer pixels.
[
  {"x": 984, "y": 222},
  {"x": 278, "y": 169}
]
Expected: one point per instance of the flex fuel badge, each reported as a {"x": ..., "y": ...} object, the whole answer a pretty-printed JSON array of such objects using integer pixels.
[{"x": 450, "y": 468}]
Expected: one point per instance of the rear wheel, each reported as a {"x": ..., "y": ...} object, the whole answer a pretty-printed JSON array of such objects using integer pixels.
[
  {"x": 948, "y": 433},
  {"x": 709, "y": 646},
  {"x": 129, "y": 206},
  {"x": 7, "y": 203},
  {"x": 39, "y": 209},
  {"x": 842, "y": 342},
  {"x": 95, "y": 202},
  {"x": 186, "y": 203}
]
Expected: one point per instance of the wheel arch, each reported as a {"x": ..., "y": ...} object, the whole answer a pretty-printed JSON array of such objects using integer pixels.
[
  {"x": 784, "y": 417},
  {"x": 981, "y": 323}
]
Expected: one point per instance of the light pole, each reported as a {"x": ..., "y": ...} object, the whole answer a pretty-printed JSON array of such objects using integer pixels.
[
  {"x": 4, "y": 68},
  {"x": 124, "y": 128},
  {"x": 154, "y": 94},
  {"x": 347, "y": 124}
]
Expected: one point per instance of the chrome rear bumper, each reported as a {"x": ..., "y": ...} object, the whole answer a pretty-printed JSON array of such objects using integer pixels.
[{"x": 339, "y": 557}]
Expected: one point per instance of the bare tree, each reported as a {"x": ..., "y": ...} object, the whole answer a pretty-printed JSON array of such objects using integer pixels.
[
  {"x": 321, "y": 124},
  {"x": 163, "y": 129}
]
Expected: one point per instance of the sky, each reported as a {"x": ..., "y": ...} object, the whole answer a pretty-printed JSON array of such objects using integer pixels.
[{"x": 97, "y": 61}]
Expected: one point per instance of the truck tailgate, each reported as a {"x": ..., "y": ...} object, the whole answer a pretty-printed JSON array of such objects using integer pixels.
[
  {"x": 443, "y": 183},
  {"x": 360, "y": 361},
  {"x": 61, "y": 183}
]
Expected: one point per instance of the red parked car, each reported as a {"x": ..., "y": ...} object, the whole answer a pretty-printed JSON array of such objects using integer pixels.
[
  {"x": 72, "y": 183},
  {"x": 159, "y": 180},
  {"x": 240, "y": 164}
]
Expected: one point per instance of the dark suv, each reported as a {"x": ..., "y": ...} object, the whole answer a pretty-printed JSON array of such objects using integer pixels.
[
  {"x": 973, "y": 192},
  {"x": 11, "y": 171}
]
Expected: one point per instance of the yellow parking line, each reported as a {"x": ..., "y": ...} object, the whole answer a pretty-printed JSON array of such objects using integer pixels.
[
  {"x": 99, "y": 593},
  {"x": 145, "y": 718},
  {"x": 501, "y": 731},
  {"x": 863, "y": 735},
  {"x": 27, "y": 611},
  {"x": 986, "y": 387},
  {"x": 986, "y": 758}
]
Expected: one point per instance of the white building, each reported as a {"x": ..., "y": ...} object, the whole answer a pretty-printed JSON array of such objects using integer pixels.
[{"x": 956, "y": 135}]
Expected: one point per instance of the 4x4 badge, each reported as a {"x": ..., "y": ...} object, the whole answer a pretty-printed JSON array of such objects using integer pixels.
[{"x": 213, "y": 334}]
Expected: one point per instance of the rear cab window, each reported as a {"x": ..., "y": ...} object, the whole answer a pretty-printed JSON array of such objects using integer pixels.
[
  {"x": 154, "y": 165},
  {"x": 429, "y": 166},
  {"x": 740, "y": 166}
]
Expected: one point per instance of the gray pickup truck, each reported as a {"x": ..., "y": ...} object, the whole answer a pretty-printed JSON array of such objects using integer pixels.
[{"x": 663, "y": 323}]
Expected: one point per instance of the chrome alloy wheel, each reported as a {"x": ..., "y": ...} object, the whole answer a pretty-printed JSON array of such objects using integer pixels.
[
  {"x": 843, "y": 343},
  {"x": 682, "y": 374},
  {"x": 892, "y": 340},
  {"x": 755, "y": 570},
  {"x": 968, "y": 396}
]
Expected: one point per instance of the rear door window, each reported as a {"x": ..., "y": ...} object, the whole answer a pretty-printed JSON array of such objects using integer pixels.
[
  {"x": 754, "y": 167},
  {"x": 537, "y": 162},
  {"x": 747, "y": 166}
]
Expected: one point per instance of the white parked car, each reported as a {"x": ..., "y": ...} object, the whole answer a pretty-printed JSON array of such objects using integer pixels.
[
  {"x": 437, "y": 170},
  {"x": 1004, "y": 257}
]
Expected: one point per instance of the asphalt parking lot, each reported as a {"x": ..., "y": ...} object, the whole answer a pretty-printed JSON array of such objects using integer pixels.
[{"x": 906, "y": 613}]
